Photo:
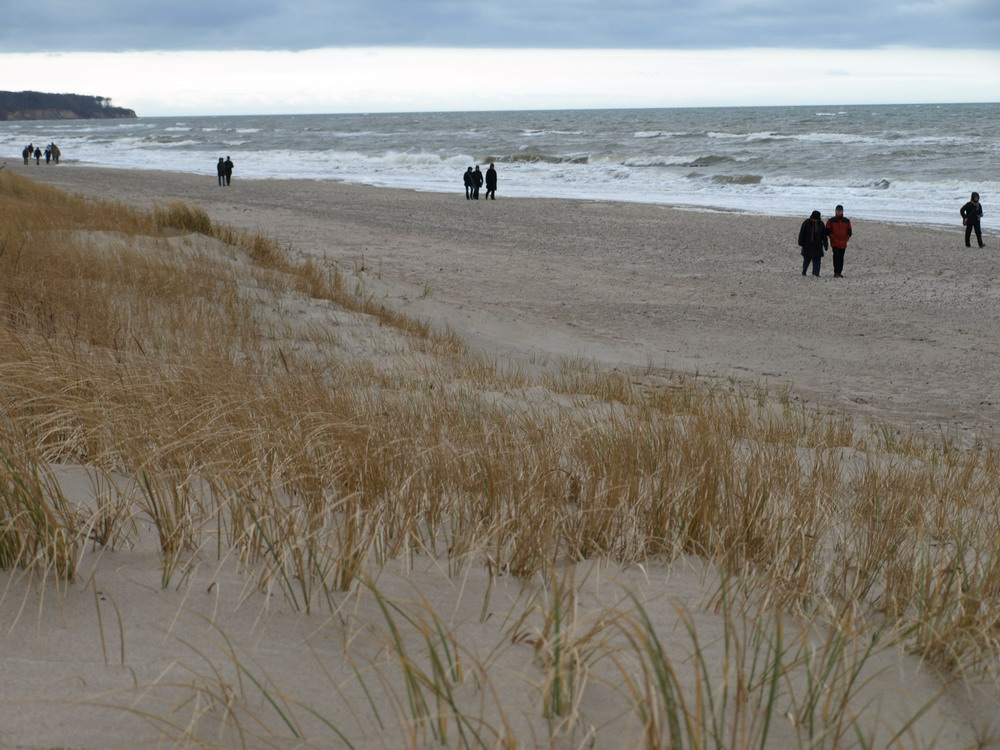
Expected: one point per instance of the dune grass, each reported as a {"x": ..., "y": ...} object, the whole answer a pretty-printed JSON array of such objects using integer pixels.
[{"x": 239, "y": 403}]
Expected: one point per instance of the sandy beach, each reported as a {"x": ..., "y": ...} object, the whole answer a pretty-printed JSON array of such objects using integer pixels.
[
  {"x": 908, "y": 336},
  {"x": 215, "y": 659}
]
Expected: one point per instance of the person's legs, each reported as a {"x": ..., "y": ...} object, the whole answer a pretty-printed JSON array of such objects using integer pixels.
[
  {"x": 968, "y": 234},
  {"x": 979, "y": 234},
  {"x": 838, "y": 260},
  {"x": 805, "y": 266},
  {"x": 816, "y": 264}
]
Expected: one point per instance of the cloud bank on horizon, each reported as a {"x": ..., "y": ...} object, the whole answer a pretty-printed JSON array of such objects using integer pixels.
[
  {"x": 326, "y": 56},
  {"x": 295, "y": 25}
]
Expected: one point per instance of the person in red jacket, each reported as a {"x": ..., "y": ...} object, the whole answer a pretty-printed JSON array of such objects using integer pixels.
[{"x": 838, "y": 229}]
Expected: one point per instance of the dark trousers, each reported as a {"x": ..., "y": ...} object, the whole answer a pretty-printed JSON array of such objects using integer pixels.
[
  {"x": 468, "y": 192},
  {"x": 475, "y": 192},
  {"x": 816, "y": 262},
  {"x": 968, "y": 233},
  {"x": 838, "y": 260}
]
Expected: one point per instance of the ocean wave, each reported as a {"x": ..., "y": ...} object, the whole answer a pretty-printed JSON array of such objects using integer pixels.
[
  {"x": 655, "y": 161},
  {"x": 709, "y": 160},
  {"x": 736, "y": 179},
  {"x": 663, "y": 134},
  {"x": 537, "y": 133},
  {"x": 532, "y": 158}
]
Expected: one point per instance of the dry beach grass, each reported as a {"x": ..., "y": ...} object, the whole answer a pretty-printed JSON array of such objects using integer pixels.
[{"x": 246, "y": 501}]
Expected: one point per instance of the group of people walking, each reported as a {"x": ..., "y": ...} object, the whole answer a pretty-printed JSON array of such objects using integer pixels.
[
  {"x": 815, "y": 236},
  {"x": 474, "y": 181},
  {"x": 52, "y": 153},
  {"x": 224, "y": 169}
]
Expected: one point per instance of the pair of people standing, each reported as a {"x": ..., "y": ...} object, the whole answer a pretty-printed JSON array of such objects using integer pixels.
[
  {"x": 815, "y": 237},
  {"x": 224, "y": 170},
  {"x": 474, "y": 181},
  {"x": 972, "y": 215}
]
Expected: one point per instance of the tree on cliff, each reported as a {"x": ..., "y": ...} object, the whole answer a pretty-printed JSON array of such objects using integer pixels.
[{"x": 35, "y": 105}]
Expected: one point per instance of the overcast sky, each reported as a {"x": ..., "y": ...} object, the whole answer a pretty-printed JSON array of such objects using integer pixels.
[{"x": 378, "y": 55}]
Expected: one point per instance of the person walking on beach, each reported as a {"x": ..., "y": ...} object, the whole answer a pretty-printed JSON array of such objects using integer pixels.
[
  {"x": 477, "y": 182},
  {"x": 228, "y": 165},
  {"x": 972, "y": 214},
  {"x": 220, "y": 170},
  {"x": 26, "y": 154},
  {"x": 38, "y": 156},
  {"x": 467, "y": 177},
  {"x": 491, "y": 183},
  {"x": 812, "y": 240},
  {"x": 838, "y": 229}
]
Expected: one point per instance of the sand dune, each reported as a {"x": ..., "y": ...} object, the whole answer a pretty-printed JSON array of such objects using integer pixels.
[{"x": 908, "y": 337}]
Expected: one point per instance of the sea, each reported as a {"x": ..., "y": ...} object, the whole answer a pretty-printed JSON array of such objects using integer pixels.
[{"x": 913, "y": 163}]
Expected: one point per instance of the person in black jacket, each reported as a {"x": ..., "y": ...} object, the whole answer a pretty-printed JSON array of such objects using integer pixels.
[
  {"x": 477, "y": 182},
  {"x": 972, "y": 213},
  {"x": 491, "y": 183},
  {"x": 812, "y": 240},
  {"x": 467, "y": 177}
]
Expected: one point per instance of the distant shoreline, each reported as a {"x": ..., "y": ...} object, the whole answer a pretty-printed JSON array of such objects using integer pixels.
[{"x": 210, "y": 176}]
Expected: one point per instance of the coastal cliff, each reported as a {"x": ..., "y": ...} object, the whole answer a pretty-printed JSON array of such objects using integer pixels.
[{"x": 34, "y": 105}]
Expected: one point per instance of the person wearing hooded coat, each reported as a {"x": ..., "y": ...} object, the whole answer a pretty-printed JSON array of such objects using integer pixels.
[
  {"x": 477, "y": 182},
  {"x": 467, "y": 177},
  {"x": 491, "y": 183},
  {"x": 812, "y": 240},
  {"x": 972, "y": 216}
]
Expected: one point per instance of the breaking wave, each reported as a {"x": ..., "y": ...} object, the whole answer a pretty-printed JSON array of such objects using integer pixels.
[
  {"x": 737, "y": 179},
  {"x": 531, "y": 158}
]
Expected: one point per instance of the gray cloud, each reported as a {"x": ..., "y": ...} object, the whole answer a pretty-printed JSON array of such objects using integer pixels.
[{"x": 119, "y": 25}]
